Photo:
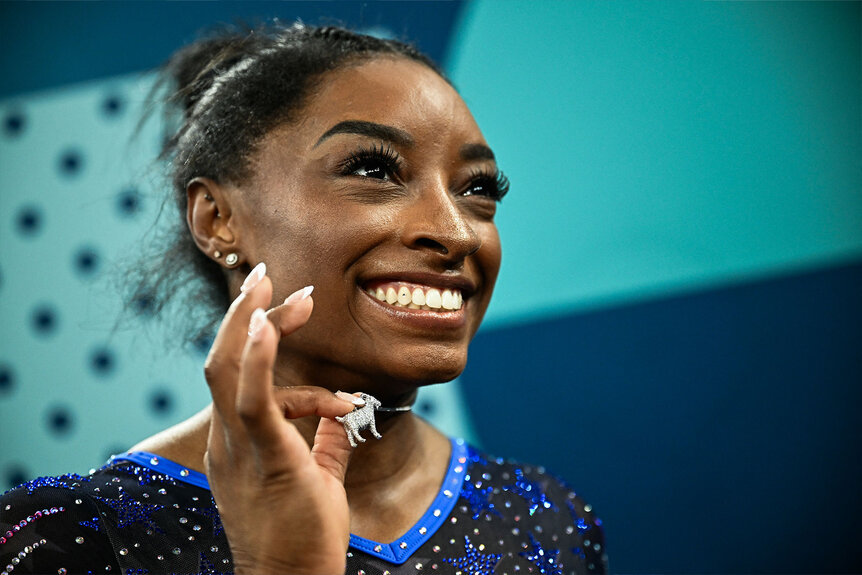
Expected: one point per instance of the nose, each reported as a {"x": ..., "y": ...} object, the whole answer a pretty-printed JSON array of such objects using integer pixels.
[{"x": 435, "y": 223}]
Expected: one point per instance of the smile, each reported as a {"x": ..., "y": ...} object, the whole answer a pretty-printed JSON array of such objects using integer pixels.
[{"x": 415, "y": 296}]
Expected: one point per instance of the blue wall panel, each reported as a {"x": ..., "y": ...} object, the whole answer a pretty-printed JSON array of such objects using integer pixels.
[{"x": 715, "y": 432}]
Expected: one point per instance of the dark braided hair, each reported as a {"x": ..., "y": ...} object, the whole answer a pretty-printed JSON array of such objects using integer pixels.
[{"x": 224, "y": 94}]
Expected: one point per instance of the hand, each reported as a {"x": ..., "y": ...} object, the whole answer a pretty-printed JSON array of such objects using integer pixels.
[{"x": 283, "y": 506}]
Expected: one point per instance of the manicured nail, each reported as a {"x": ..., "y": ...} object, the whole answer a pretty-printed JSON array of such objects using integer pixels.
[
  {"x": 350, "y": 397},
  {"x": 299, "y": 295},
  {"x": 253, "y": 278},
  {"x": 255, "y": 326}
]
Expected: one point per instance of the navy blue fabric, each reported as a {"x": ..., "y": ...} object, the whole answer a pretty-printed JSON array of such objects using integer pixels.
[{"x": 717, "y": 432}]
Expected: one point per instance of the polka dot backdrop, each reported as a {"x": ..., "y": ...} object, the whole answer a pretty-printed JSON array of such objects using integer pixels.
[{"x": 78, "y": 193}]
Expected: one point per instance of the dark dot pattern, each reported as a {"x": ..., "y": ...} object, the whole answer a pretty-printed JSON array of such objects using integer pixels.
[
  {"x": 161, "y": 402},
  {"x": 144, "y": 305},
  {"x": 129, "y": 202},
  {"x": 44, "y": 320},
  {"x": 426, "y": 407},
  {"x": 87, "y": 261},
  {"x": 71, "y": 163},
  {"x": 14, "y": 123},
  {"x": 103, "y": 361},
  {"x": 29, "y": 220},
  {"x": 59, "y": 420},
  {"x": 15, "y": 475},
  {"x": 7, "y": 380},
  {"x": 203, "y": 344},
  {"x": 113, "y": 105}
]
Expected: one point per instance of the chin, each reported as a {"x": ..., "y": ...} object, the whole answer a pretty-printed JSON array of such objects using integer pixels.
[{"x": 430, "y": 368}]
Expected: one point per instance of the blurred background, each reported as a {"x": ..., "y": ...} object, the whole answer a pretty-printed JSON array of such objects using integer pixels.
[{"x": 677, "y": 328}]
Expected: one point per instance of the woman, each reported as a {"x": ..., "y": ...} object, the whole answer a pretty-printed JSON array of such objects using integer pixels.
[{"x": 318, "y": 159}]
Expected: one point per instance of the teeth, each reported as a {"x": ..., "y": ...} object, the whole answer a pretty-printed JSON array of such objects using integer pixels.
[
  {"x": 448, "y": 300},
  {"x": 418, "y": 298},
  {"x": 404, "y": 296},
  {"x": 432, "y": 299}
]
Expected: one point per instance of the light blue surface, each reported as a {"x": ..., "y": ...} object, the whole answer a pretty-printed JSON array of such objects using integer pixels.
[{"x": 109, "y": 412}]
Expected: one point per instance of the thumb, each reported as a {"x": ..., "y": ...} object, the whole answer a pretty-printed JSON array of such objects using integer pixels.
[{"x": 331, "y": 449}]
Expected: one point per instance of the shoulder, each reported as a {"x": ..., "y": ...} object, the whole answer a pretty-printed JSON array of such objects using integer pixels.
[
  {"x": 51, "y": 524},
  {"x": 537, "y": 502},
  {"x": 125, "y": 516}
]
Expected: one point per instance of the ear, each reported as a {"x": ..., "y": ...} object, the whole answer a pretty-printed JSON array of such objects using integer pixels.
[{"x": 209, "y": 219}]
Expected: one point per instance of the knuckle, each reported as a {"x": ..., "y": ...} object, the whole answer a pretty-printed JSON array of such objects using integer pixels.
[
  {"x": 216, "y": 366},
  {"x": 249, "y": 409}
]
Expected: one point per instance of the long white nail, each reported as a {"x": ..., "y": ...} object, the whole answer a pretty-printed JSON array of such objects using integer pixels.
[
  {"x": 255, "y": 326},
  {"x": 299, "y": 295},
  {"x": 350, "y": 397},
  {"x": 253, "y": 278}
]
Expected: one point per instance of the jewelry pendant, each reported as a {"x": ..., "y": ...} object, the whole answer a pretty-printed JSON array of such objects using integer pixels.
[{"x": 359, "y": 419}]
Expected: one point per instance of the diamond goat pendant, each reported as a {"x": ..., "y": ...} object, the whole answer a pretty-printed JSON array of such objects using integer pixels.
[{"x": 360, "y": 418}]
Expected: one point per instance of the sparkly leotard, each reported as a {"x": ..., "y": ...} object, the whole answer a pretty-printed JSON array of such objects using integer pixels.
[{"x": 144, "y": 514}]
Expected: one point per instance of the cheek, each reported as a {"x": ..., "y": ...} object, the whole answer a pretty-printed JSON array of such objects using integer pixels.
[
  {"x": 315, "y": 241},
  {"x": 490, "y": 255}
]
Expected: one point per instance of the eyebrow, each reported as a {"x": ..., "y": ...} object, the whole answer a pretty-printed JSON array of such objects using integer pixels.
[
  {"x": 371, "y": 129},
  {"x": 476, "y": 152}
]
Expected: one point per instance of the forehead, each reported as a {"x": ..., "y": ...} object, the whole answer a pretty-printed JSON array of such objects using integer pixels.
[{"x": 394, "y": 91}]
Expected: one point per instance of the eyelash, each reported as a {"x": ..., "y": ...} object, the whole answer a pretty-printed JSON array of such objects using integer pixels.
[
  {"x": 495, "y": 182},
  {"x": 385, "y": 155}
]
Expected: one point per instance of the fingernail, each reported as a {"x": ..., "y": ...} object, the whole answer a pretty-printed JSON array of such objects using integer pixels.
[
  {"x": 350, "y": 397},
  {"x": 253, "y": 278},
  {"x": 255, "y": 326},
  {"x": 299, "y": 295}
]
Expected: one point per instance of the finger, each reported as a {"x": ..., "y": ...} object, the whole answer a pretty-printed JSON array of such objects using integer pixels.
[
  {"x": 276, "y": 442},
  {"x": 294, "y": 312},
  {"x": 332, "y": 449},
  {"x": 223, "y": 361},
  {"x": 306, "y": 400}
]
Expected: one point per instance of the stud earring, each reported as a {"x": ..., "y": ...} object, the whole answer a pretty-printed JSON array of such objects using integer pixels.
[
  {"x": 216, "y": 254},
  {"x": 231, "y": 259}
]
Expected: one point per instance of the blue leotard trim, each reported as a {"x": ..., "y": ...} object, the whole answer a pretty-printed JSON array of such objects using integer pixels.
[
  {"x": 165, "y": 466},
  {"x": 397, "y": 551},
  {"x": 402, "y": 548}
]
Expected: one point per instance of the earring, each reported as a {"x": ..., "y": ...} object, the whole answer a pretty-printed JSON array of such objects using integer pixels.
[
  {"x": 208, "y": 197},
  {"x": 216, "y": 254},
  {"x": 231, "y": 259}
]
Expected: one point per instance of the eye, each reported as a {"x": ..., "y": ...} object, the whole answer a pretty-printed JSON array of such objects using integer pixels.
[
  {"x": 377, "y": 162},
  {"x": 493, "y": 185}
]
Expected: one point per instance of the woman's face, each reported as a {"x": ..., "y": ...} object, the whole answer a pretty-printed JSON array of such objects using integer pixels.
[{"x": 385, "y": 186}]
